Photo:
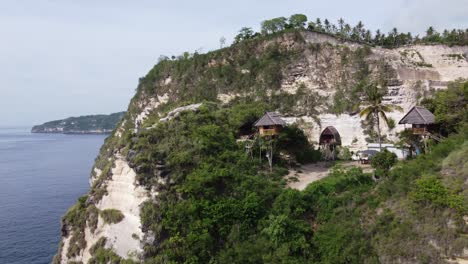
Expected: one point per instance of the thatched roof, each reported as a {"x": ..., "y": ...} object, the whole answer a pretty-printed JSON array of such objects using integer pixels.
[
  {"x": 270, "y": 119},
  {"x": 418, "y": 115},
  {"x": 330, "y": 131}
]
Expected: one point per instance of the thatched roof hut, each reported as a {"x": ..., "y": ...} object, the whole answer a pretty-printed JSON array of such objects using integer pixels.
[
  {"x": 421, "y": 119},
  {"x": 270, "y": 119},
  {"x": 418, "y": 115},
  {"x": 269, "y": 124},
  {"x": 330, "y": 136}
]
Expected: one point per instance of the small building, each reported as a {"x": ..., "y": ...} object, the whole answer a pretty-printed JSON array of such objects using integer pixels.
[
  {"x": 330, "y": 136},
  {"x": 270, "y": 124},
  {"x": 328, "y": 141},
  {"x": 421, "y": 119}
]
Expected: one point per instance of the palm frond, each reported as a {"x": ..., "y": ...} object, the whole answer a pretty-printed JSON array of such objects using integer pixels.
[
  {"x": 366, "y": 111},
  {"x": 389, "y": 108},
  {"x": 384, "y": 117}
]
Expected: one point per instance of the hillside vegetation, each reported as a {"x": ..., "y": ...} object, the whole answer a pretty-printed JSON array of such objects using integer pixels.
[{"x": 211, "y": 200}]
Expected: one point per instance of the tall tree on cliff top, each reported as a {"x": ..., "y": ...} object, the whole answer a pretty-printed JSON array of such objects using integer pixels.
[
  {"x": 298, "y": 21},
  {"x": 375, "y": 109}
]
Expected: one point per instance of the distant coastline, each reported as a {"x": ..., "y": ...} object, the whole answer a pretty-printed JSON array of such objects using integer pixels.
[
  {"x": 82, "y": 125},
  {"x": 106, "y": 132}
]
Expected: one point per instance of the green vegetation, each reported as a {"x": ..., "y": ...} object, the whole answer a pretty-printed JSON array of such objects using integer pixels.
[
  {"x": 76, "y": 218},
  {"x": 105, "y": 255},
  {"x": 217, "y": 197},
  {"x": 81, "y": 125},
  {"x": 443, "y": 104},
  {"x": 293, "y": 142},
  {"x": 358, "y": 33},
  {"x": 111, "y": 216},
  {"x": 383, "y": 161},
  {"x": 219, "y": 205},
  {"x": 375, "y": 109}
]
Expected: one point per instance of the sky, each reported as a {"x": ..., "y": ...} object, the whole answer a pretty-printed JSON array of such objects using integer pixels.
[{"x": 61, "y": 58}]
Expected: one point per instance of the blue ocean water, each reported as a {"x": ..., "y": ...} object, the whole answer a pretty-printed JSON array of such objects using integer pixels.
[{"x": 41, "y": 176}]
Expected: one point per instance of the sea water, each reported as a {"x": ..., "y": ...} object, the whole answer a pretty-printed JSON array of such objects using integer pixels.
[{"x": 41, "y": 176}]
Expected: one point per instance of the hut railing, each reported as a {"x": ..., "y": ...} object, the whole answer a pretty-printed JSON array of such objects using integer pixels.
[
  {"x": 419, "y": 130},
  {"x": 268, "y": 132}
]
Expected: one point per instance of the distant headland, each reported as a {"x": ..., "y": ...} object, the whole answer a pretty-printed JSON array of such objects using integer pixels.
[{"x": 90, "y": 124}]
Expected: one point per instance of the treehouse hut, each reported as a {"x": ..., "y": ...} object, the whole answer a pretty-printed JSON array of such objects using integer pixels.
[
  {"x": 329, "y": 139},
  {"x": 421, "y": 119},
  {"x": 270, "y": 124}
]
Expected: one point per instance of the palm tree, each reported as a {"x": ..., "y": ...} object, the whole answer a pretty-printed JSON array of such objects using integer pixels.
[{"x": 375, "y": 109}]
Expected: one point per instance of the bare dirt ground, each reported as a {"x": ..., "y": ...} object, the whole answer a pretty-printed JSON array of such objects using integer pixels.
[{"x": 309, "y": 173}]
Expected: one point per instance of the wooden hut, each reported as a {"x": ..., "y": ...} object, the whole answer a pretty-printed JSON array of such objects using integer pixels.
[
  {"x": 270, "y": 124},
  {"x": 330, "y": 136},
  {"x": 421, "y": 119},
  {"x": 329, "y": 140}
]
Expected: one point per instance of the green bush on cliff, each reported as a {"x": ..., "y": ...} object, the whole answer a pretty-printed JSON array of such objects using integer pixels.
[
  {"x": 383, "y": 161},
  {"x": 111, "y": 216}
]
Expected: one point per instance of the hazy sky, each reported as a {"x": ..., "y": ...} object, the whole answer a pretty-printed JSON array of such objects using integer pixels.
[{"x": 61, "y": 58}]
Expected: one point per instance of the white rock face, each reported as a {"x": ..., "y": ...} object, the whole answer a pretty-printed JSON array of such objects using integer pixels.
[
  {"x": 418, "y": 68},
  {"x": 176, "y": 112},
  {"x": 126, "y": 197},
  {"x": 348, "y": 126},
  {"x": 226, "y": 98},
  {"x": 152, "y": 104}
]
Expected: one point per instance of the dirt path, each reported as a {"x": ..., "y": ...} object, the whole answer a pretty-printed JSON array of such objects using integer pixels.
[{"x": 309, "y": 173}]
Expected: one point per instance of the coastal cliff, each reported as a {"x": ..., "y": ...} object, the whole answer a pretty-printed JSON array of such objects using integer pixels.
[
  {"x": 92, "y": 124},
  {"x": 185, "y": 114}
]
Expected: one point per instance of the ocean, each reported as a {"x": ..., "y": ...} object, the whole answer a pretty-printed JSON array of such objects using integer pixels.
[{"x": 41, "y": 176}]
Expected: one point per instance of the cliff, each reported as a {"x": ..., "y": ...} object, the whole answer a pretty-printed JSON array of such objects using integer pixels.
[
  {"x": 149, "y": 169},
  {"x": 92, "y": 124}
]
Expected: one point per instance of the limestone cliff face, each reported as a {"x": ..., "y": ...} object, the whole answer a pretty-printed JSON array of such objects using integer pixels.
[{"x": 305, "y": 86}]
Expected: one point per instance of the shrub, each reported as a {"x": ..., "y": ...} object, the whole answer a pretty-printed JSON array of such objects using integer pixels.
[
  {"x": 111, "y": 216},
  {"x": 429, "y": 189},
  {"x": 344, "y": 153},
  {"x": 293, "y": 141},
  {"x": 383, "y": 161}
]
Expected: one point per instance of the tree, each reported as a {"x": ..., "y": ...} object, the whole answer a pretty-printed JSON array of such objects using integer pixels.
[
  {"x": 327, "y": 26},
  {"x": 273, "y": 25},
  {"x": 375, "y": 108},
  {"x": 318, "y": 25},
  {"x": 383, "y": 161},
  {"x": 297, "y": 21},
  {"x": 341, "y": 25},
  {"x": 222, "y": 41},
  {"x": 312, "y": 26},
  {"x": 378, "y": 37},
  {"x": 430, "y": 31},
  {"x": 244, "y": 33},
  {"x": 450, "y": 106}
]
